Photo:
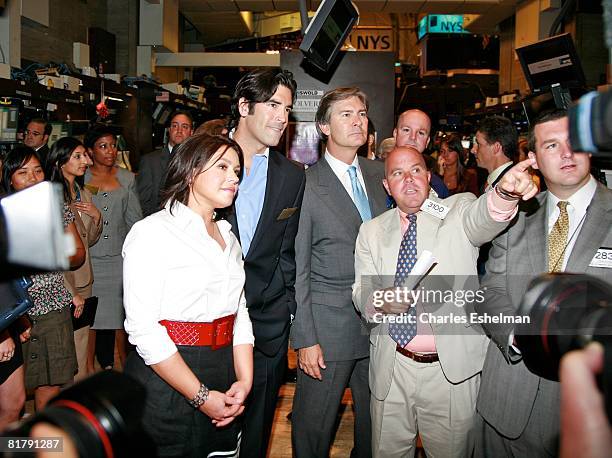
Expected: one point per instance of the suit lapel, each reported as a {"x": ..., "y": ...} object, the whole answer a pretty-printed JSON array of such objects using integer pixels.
[
  {"x": 390, "y": 237},
  {"x": 275, "y": 182},
  {"x": 536, "y": 233},
  {"x": 596, "y": 227},
  {"x": 373, "y": 187},
  {"x": 336, "y": 197}
]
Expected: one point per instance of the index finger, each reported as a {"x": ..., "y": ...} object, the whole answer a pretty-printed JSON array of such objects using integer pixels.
[{"x": 524, "y": 165}]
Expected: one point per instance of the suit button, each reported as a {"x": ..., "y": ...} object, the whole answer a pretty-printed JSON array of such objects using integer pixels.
[
  {"x": 33, "y": 339},
  {"x": 106, "y": 237},
  {"x": 33, "y": 356}
]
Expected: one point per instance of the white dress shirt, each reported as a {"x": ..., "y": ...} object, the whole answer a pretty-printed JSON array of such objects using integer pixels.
[
  {"x": 173, "y": 270},
  {"x": 495, "y": 174},
  {"x": 340, "y": 169},
  {"x": 576, "y": 211}
]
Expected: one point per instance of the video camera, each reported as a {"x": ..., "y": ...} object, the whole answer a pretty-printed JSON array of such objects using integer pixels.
[
  {"x": 567, "y": 311},
  {"x": 100, "y": 416}
]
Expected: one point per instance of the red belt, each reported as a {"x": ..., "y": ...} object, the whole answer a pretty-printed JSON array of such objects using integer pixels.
[
  {"x": 218, "y": 334},
  {"x": 419, "y": 358}
]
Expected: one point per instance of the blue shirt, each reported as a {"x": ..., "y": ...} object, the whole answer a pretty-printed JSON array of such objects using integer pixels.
[{"x": 249, "y": 202}]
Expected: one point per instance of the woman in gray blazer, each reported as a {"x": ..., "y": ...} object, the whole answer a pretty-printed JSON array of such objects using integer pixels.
[{"x": 114, "y": 193}]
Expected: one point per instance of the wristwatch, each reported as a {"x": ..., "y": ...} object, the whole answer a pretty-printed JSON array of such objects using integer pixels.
[{"x": 200, "y": 398}]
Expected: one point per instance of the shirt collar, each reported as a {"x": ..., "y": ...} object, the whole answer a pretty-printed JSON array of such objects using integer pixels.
[
  {"x": 265, "y": 153},
  {"x": 186, "y": 219},
  {"x": 580, "y": 200},
  {"x": 339, "y": 167},
  {"x": 497, "y": 172}
]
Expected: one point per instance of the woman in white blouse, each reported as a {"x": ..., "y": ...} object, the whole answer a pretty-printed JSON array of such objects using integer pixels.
[{"x": 185, "y": 307}]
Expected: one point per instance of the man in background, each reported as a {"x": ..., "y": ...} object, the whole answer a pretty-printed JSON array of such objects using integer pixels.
[
  {"x": 413, "y": 129},
  {"x": 154, "y": 166},
  {"x": 36, "y": 137}
]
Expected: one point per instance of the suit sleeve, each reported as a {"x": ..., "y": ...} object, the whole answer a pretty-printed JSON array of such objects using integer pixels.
[
  {"x": 478, "y": 224},
  {"x": 367, "y": 279},
  {"x": 496, "y": 296},
  {"x": 144, "y": 184},
  {"x": 303, "y": 332},
  {"x": 94, "y": 230},
  {"x": 287, "y": 255}
]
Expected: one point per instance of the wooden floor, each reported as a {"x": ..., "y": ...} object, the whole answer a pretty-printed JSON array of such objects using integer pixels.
[{"x": 280, "y": 442}]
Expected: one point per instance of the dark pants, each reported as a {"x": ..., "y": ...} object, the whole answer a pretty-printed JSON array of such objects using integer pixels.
[
  {"x": 315, "y": 409},
  {"x": 178, "y": 429},
  {"x": 268, "y": 376},
  {"x": 105, "y": 347}
]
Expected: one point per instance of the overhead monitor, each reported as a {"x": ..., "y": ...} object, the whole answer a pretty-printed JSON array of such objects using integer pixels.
[
  {"x": 551, "y": 61},
  {"x": 327, "y": 31}
]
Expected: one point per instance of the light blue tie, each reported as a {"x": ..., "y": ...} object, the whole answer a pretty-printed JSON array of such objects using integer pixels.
[{"x": 359, "y": 197}]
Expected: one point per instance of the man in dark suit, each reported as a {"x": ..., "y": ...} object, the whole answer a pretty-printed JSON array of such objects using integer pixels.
[
  {"x": 265, "y": 219},
  {"x": 496, "y": 150},
  {"x": 36, "y": 137},
  {"x": 154, "y": 166},
  {"x": 561, "y": 230},
  {"x": 495, "y": 147},
  {"x": 342, "y": 191}
]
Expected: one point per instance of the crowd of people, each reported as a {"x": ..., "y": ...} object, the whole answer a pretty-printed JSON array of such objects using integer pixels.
[{"x": 222, "y": 252}]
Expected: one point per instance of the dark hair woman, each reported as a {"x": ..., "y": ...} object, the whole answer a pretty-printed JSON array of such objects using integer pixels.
[
  {"x": 114, "y": 193},
  {"x": 451, "y": 167},
  {"x": 184, "y": 277},
  {"x": 66, "y": 164},
  {"x": 49, "y": 356}
]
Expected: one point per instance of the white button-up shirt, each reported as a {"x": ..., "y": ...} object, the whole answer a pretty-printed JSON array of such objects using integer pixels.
[{"x": 173, "y": 270}]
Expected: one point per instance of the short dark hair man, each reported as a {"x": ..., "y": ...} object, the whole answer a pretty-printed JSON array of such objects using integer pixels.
[
  {"x": 342, "y": 191},
  {"x": 564, "y": 229},
  {"x": 36, "y": 137},
  {"x": 495, "y": 147},
  {"x": 154, "y": 166},
  {"x": 265, "y": 219}
]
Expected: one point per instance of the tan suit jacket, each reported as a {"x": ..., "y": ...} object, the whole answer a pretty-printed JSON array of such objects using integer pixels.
[
  {"x": 80, "y": 281},
  {"x": 454, "y": 242}
]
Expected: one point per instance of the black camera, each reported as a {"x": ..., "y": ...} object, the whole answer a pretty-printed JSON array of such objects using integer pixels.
[
  {"x": 591, "y": 123},
  {"x": 100, "y": 415},
  {"x": 567, "y": 312}
]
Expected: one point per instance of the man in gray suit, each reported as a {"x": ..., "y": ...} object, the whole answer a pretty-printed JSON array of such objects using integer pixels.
[
  {"x": 424, "y": 378},
  {"x": 561, "y": 230},
  {"x": 154, "y": 166},
  {"x": 342, "y": 190}
]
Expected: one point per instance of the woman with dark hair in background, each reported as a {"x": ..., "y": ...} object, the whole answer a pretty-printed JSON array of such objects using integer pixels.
[
  {"x": 451, "y": 168},
  {"x": 49, "y": 355},
  {"x": 184, "y": 276},
  {"x": 66, "y": 164},
  {"x": 114, "y": 194}
]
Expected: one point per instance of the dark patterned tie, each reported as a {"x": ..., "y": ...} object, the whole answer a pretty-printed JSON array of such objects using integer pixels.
[{"x": 403, "y": 333}]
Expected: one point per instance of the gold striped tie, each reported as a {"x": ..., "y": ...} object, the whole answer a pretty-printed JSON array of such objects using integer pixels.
[{"x": 557, "y": 239}]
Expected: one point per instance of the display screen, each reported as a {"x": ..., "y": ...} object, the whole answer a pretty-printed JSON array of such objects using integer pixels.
[{"x": 550, "y": 61}]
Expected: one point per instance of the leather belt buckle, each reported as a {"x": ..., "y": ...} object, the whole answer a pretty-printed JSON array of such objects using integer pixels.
[
  {"x": 426, "y": 358},
  {"x": 222, "y": 332}
]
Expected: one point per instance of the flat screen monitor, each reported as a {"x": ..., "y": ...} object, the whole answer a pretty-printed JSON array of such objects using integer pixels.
[
  {"x": 327, "y": 31},
  {"x": 551, "y": 61}
]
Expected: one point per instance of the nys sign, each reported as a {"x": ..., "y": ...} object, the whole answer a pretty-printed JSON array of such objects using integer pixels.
[{"x": 371, "y": 39}]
